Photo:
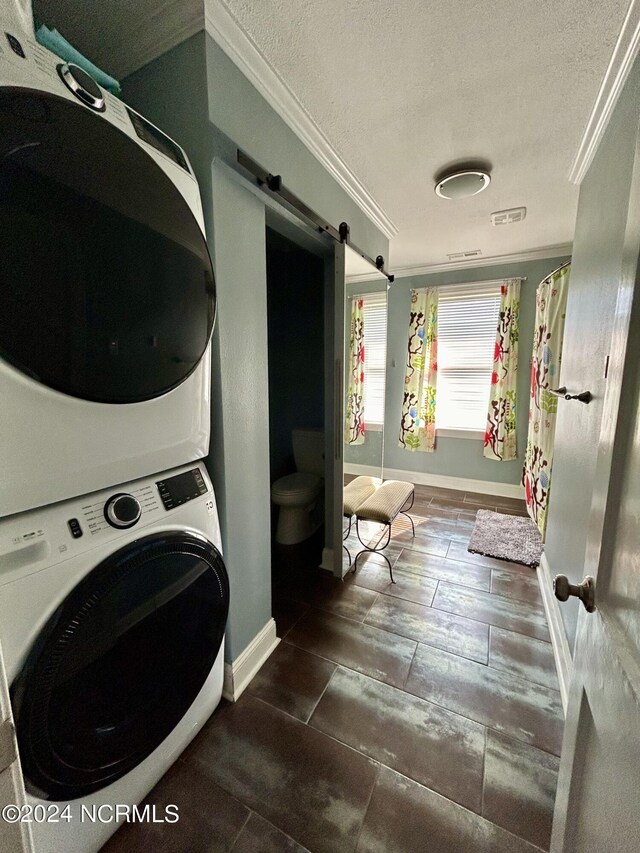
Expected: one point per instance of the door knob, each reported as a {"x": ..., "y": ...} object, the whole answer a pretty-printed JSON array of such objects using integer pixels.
[{"x": 585, "y": 591}]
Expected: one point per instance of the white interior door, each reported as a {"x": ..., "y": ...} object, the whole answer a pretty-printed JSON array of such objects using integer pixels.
[{"x": 597, "y": 805}]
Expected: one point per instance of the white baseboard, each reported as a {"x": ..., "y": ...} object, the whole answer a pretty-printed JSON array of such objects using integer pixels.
[
  {"x": 421, "y": 478},
  {"x": 559, "y": 641},
  {"x": 238, "y": 673},
  {"x": 327, "y": 560},
  {"x": 362, "y": 470}
]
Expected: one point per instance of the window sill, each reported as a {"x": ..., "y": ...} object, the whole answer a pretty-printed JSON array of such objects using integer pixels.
[
  {"x": 373, "y": 427},
  {"x": 475, "y": 434}
]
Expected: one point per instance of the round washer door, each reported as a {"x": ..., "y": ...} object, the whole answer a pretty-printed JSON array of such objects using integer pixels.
[
  {"x": 119, "y": 664},
  {"x": 106, "y": 284}
]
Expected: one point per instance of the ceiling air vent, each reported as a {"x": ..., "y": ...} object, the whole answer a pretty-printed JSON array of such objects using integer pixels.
[
  {"x": 461, "y": 256},
  {"x": 508, "y": 217}
]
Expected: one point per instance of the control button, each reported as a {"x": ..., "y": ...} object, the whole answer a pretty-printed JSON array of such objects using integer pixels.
[
  {"x": 74, "y": 527},
  {"x": 15, "y": 45},
  {"x": 122, "y": 510},
  {"x": 83, "y": 86}
]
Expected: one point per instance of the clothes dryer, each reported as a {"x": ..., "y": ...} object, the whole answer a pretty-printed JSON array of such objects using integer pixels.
[{"x": 107, "y": 297}]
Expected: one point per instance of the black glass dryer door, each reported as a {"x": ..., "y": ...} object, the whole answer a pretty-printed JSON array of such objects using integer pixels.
[
  {"x": 119, "y": 664},
  {"x": 106, "y": 285}
]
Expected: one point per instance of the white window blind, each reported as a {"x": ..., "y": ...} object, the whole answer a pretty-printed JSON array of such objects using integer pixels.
[
  {"x": 467, "y": 323},
  {"x": 375, "y": 356}
]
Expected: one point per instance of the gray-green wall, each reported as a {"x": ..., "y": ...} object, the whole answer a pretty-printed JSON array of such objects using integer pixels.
[
  {"x": 454, "y": 457},
  {"x": 597, "y": 262},
  {"x": 196, "y": 95}
]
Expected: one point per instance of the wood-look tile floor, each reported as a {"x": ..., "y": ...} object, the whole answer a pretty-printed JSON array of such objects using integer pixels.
[{"x": 420, "y": 715}]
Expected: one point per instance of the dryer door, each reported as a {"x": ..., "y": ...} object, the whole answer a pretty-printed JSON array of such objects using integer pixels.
[
  {"x": 119, "y": 664},
  {"x": 106, "y": 285}
]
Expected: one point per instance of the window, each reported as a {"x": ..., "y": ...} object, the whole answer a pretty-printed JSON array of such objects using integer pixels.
[
  {"x": 467, "y": 322},
  {"x": 375, "y": 349}
]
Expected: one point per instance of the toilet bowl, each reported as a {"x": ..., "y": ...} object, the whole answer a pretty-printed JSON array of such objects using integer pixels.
[{"x": 298, "y": 496}]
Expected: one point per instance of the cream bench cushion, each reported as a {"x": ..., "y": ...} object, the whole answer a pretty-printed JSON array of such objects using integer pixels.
[
  {"x": 386, "y": 502},
  {"x": 357, "y": 491}
]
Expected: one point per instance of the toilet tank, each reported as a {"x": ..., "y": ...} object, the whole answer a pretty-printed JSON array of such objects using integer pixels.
[{"x": 308, "y": 450}]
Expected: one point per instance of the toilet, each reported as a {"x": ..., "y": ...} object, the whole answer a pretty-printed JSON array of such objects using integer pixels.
[{"x": 299, "y": 495}]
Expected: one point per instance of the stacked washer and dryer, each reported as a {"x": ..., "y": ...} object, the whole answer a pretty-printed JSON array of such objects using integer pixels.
[{"x": 113, "y": 592}]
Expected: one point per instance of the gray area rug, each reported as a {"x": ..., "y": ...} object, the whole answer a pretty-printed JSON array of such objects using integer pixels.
[{"x": 506, "y": 537}]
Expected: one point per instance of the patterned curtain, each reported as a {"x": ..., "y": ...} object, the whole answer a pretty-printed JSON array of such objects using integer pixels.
[
  {"x": 551, "y": 302},
  {"x": 354, "y": 410},
  {"x": 500, "y": 436},
  {"x": 418, "y": 423}
]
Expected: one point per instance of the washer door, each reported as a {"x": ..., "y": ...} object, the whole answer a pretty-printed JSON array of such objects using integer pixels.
[
  {"x": 106, "y": 285},
  {"x": 119, "y": 664}
]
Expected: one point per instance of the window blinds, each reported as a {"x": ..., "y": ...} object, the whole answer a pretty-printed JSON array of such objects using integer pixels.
[
  {"x": 375, "y": 356},
  {"x": 467, "y": 323}
]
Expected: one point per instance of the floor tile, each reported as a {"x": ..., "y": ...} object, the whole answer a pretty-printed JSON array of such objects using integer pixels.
[
  {"x": 210, "y": 818},
  {"x": 424, "y": 742},
  {"x": 523, "y": 656},
  {"x": 260, "y": 836},
  {"x": 458, "y": 551},
  {"x": 343, "y": 599},
  {"x": 434, "y": 627},
  {"x": 362, "y": 647},
  {"x": 456, "y": 503},
  {"x": 516, "y": 585},
  {"x": 441, "y": 568},
  {"x": 506, "y": 613},
  {"x": 292, "y": 680},
  {"x": 520, "y": 788},
  {"x": 524, "y": 710},
  {"x": 311, "y": 787},
  {"x": 404, "y": 817},
  {"x": 422, "y": 542},
  {"x": 286, "y": 613},
  {"x": 409, "y": 586}
]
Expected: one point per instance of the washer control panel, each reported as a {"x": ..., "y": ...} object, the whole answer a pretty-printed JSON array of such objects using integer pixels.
[
  {"x": 118, "y": 512},
  {"x": 175, "y": 491}
]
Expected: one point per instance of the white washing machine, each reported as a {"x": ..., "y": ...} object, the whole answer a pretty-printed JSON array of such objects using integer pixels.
[
  {"x": 107, "y": 296},
  {"x": 112, "y": 615}
]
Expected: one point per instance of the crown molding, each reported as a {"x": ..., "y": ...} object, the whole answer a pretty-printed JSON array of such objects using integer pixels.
[
  {"x": 560, "y": 250},
  {"x": 244, "y": 53},
  {"x": 620, "y": 64}
]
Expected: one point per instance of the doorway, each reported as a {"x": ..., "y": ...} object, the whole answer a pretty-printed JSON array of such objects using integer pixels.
[{"x": 296, "y": 353}]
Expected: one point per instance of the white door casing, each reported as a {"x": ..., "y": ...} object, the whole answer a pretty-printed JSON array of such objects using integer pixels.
[{"x": 597, "y": 800}]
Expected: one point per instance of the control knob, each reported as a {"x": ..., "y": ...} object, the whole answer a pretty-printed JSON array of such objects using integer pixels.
[
  {"x": 122, "y": 510},
  {"x": 83, "y": 86}
]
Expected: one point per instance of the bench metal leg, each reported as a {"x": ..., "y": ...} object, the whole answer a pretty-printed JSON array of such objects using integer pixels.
[
  {"x": 406, "y": 512},
  {"x": 378, "y": 549}
]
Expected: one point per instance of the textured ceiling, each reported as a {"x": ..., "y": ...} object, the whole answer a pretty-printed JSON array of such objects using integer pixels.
[{"x": 403, "y": 88}]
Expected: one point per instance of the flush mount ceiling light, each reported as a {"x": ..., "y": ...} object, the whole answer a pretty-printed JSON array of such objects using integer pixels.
[{"x": 462, "y": 184}]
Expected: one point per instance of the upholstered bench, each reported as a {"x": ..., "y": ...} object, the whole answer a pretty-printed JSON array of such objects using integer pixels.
[
  {"x": 355, "y": 493},
  {"x": 383, "y": 506}
]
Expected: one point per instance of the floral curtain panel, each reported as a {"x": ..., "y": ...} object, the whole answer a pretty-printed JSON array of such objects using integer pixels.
[
  {"x": 354, "y": 410},
  {"x": 418, "y": 422},
  {"x": 500, "y": 435},
  {"x": 551, "y": 302}
]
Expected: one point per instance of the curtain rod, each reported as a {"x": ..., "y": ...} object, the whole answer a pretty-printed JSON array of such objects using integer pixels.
[{"x": 274, "y": 184}]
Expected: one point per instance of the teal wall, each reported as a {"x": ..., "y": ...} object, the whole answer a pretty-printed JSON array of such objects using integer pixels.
[
  {"x": 455, "y": 457},
  {"x": 196, "y": 95},
  {"x": 603, "y": 208}
]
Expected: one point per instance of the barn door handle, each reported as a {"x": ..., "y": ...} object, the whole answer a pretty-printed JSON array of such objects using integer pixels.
[
  {"x": 558, "y": 392},
  {"x": 585, "y": 591}
]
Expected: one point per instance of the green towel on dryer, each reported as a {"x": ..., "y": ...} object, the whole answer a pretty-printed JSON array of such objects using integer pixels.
[{"x": 56, "y": 43}]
